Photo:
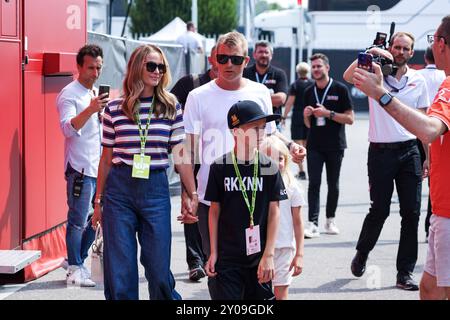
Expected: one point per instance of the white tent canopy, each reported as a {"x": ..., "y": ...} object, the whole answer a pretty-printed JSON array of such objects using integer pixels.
[{"x": 170, "y": 33}]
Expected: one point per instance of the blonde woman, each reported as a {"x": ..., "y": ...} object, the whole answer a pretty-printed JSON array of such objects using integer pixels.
[
  {"x": 139, "y": 131},
  {"x": 288, "y": 257}
]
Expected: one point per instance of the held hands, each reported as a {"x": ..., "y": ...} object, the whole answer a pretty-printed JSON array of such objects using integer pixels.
[
  {"x": 99, "y": 103},
  {"x": 189, "y": 205},
  {"x": 266, "y": 269},
  {"x": 308, "y": 111},
  {"x": 321, "y": 111},
  {"x": 297, "y": 152}
]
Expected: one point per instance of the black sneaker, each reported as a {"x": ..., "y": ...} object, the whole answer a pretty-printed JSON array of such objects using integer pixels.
[
  {"x": 358, "y": 266},
  {"x": 197, "y": 273},
  {"x": 406, "y": 282}
]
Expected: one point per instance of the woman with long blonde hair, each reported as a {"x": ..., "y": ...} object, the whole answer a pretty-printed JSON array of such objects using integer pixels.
[
  {"x": 139, "y": 132},
  {"x": 288, "y": 257}
]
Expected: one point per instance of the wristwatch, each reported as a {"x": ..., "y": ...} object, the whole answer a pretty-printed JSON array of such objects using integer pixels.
[
  {"x": 385, "y": 99},
  {"x": 332, "y": 114}
]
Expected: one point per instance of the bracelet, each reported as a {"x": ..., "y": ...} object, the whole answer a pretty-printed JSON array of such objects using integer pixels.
[{"x": 194, "y": 193}]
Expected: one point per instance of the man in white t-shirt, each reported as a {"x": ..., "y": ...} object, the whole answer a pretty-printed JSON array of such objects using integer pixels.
[
  {"x": 190, "y": 40},
  {"x": 393, "y": 158},
  {"x": 434, "y": 78},
  {"x": 205, "y": 117}
]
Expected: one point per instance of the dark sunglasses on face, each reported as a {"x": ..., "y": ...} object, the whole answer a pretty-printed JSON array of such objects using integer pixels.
[
  {"x": 151, "y": 67},
  {"x": 236, "y": 60}
]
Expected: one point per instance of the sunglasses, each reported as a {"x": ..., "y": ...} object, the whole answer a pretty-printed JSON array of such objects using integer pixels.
[
  {"x": 236, "y": 60},
  {"x": 151, "y": 67}
]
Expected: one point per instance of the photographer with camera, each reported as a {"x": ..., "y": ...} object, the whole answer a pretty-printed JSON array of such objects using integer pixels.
[{"x": 393, "y": 157}]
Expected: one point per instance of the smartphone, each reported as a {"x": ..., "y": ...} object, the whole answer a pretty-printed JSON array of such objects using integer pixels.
[
  {"x": 104, "y": 88},
  {"x": 365, "y": 61}
]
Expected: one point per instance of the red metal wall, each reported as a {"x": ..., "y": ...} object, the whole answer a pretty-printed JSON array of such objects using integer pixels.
[
  {"x": 11, "y": 125},
  {"x": 49, "y": 26},
  {"x": 32, "y": 185}
]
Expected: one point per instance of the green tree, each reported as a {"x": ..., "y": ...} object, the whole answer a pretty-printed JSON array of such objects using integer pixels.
[
  {"x": 217, "y": 16},
  {"x": 214, "y": 16},
  {"x": 149, "y": 16}
]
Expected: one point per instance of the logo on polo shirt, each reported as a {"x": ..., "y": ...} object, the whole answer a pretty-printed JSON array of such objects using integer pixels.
[{"x": 333, "y": 98}]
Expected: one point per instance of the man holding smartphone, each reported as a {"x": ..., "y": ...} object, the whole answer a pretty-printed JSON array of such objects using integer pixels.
[
  {"x": 393, "y": 157},
  {"x": 78, "y": 108}
]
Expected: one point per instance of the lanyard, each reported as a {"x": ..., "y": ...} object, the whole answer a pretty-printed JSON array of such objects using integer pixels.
[
  {"x": 143, "y": 135},
  {"x": 393, "y": 88},
  {"x": 324, "y": 94},
  {"x": 263, "y": 80},
  {"x": 251, "y": 207}
]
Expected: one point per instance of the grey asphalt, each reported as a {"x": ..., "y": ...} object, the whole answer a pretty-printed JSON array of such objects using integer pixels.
[{"x": 326, "y": 273}]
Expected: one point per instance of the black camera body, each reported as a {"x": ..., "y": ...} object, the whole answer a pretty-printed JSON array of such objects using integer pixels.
[{"x": 387, "y": 65}]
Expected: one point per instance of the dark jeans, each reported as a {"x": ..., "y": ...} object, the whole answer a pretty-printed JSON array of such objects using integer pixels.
[
  {"x": 386, "y": 166},
  {"x": 194, "y": 251},
  {"x": 332, "y": 161},
  {"x": 137, "y": 207},
  {"x": 232, "y": 283}
]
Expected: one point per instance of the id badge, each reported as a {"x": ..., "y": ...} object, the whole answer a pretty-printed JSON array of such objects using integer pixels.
[
  {"x": 252, "y": 240},
  {"x": 141, "y": 166}
]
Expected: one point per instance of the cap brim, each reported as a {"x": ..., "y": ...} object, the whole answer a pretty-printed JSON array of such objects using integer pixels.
[{"x": 270, "y": 117}]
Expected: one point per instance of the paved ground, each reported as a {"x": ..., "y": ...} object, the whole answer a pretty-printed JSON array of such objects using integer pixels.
[{"x": 326, "y": 272}]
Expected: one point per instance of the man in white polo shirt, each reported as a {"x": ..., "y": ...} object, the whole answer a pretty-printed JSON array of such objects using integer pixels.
[
  {"x": 79, "y": 110},
  {"x": 394, "y": 158}
]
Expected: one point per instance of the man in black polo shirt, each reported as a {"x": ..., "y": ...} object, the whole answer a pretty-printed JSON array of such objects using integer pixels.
[
  {"x": 328, "y": 108},
  {"x": 272, "y": 77},
  {"x": 195, "y": 257}
]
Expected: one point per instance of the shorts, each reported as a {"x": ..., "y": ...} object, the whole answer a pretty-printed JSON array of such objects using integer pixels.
[
  {"x": 282, "y": 260},
  {"x": 438, "y": 255}
]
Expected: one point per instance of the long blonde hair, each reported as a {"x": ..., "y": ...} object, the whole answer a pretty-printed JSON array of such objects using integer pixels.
[
  {"x": 273, "y": 146},
  {"x": 165, "y": 102}
]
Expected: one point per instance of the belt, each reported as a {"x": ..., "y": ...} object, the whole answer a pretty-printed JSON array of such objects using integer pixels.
[{"x": 393, "y": 145}]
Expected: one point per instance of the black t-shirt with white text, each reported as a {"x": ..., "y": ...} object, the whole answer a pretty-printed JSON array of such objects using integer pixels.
[
  {"x": 331, "y": 136},
  {"x": 234, "y": 218}
]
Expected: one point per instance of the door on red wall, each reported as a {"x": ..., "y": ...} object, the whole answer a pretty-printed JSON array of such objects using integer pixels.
[{"x": 11, "y": 129}]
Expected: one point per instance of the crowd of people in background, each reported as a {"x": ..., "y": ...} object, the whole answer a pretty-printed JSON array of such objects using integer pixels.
[{"x": 241, "y": 206}]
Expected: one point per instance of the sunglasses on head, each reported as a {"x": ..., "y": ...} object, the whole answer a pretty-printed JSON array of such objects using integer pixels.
[
  {"x": 236, "y": 60},
  {"x": 151, "y": 67}
]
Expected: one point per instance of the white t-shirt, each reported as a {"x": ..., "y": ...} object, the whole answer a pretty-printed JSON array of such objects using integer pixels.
[
  {"x": 205, "y": 115},
  {"x": 190, "y": 40},
  {"x": 433, "y": 78},
  {"x": 412, "y": 91},
  {"x": 286, "y": 236}
]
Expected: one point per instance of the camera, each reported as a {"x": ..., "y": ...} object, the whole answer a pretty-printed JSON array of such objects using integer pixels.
[{"x": 387, "y": 65}]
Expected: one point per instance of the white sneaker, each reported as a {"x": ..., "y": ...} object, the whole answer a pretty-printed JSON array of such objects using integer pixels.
[
  {"x": 311, "y": 230},
  {"x": 330, "y": 227},
  {"x": 76, "y": 276},
  {"x": 86, "y": 271}
]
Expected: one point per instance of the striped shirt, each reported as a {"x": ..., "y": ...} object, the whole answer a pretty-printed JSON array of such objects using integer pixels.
[{"x": 122, "y": 134}]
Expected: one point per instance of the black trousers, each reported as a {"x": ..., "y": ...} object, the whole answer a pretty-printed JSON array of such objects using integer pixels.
[
  {"x": 389, "y": 163},
  {"x": 194, "y": 251},
  {"x": 333, "y": 162}
]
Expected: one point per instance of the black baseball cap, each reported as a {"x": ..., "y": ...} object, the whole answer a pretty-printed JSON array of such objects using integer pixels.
[{"x": 246, "y": 111}]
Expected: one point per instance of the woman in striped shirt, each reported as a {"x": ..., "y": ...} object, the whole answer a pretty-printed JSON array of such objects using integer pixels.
[{"x": 139, "y": 131}]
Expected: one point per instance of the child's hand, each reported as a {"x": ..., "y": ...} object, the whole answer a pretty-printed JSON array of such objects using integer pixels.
[
  {"x": 266, "y": 269},
  {"x": 297, "y": 265},
  {"x": 210, "y": 266}
]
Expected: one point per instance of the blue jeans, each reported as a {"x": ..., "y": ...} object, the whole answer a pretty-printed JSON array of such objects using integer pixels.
[
  {"x": 137, "y": 206},
  {"x": 79, "y": 234}
]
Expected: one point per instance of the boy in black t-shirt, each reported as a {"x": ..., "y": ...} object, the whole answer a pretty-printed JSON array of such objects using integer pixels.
[{"x": 244, "y": 188}]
